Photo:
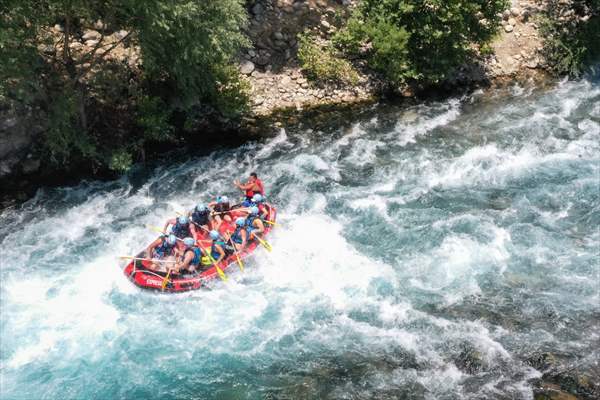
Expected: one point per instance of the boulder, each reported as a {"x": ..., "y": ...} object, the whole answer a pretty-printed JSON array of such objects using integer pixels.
[
  {"x": 325, "y": 24},
  {"x": 515, "y": 11},
  {"x": 91, "y": 43},
  {"x": 512, "y": 21},
  {"x": 508, "y": 28},
  {"x": 91, "y": 34},
  {"x": 278, "y": 35},
  {"x": 247, "y": 67},
  {"x": 258, "y": 9},
  {"x": 121, "y": 34}
]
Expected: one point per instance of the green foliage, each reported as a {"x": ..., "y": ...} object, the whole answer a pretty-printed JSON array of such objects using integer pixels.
[
  {"x": 419, "y": 40},
  {"x": 570, "y": 42},
  {"x": 320, "y": 63},
  {"x": 120, "y": 161},
  {"x": 190, "y": 45},
  {"x": 153, "y": 117},
  {"x": 94, "y": 107}
]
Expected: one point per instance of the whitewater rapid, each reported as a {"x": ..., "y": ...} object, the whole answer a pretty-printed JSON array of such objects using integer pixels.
[{"x": 424, "y": 252}]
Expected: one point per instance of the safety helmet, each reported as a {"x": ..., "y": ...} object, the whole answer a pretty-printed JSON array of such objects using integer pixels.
[
  {"x": 257, "y": 198},
  {"x": 214, "y": 235},
  {"x": 254, "y": 210},
  {"x": 171, "y": 239},
  {"x": 201, "y": 208},
  {"x": 222, "y": 199},
  {"x": 183, "y": 220},
  {"x": 240, "y": 221},
  {"x": 189, "y": 242}
]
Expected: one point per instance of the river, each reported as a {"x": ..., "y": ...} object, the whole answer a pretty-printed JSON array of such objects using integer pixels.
[{"x": 425, "y": 251}]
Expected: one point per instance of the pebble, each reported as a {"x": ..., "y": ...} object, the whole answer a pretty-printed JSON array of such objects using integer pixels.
[
  {"x": 508, "y": 28},
  {"x": 512, "y": 21},
  {"x": 325, "y": 24}
]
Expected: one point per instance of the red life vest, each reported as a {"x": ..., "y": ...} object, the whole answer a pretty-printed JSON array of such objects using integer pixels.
[
  {"x": 260, "y": 186},
  {"x": 250, "y": 193}
]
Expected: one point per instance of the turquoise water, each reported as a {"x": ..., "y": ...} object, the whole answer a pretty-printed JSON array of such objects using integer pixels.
[{"x": 425, "y": 252}]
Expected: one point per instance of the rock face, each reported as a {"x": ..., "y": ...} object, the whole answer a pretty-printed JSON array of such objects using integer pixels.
[{"x": 17, "y": 133}]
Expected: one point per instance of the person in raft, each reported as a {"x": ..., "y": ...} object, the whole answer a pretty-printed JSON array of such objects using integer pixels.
[
  {"x": 253, "y": 186},
  {"x": 200, "y": 218},
  {"x": 239, "y": 237},
  {"x": 180, "y": 227},
  {"x": 259, "y": 201},
  {"x": 163, "y": 248},
  {"x": 220, "y": 210},
  {"x": 192, "y": 256},
  {"x": 218, "y": 249},
  {"x": 254, "y": 226}
]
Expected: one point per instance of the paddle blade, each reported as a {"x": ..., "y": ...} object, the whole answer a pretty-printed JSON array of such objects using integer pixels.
[
  {"x": 265, "y": 244},
  {"x": 239, "y": 261},
  {"x": 165, "y": 281},
  {"x": 221, "y": 273}
]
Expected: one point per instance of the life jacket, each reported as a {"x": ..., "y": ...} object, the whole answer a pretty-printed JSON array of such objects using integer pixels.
[
  {"x": 261, "y": 187},
  {"x": 236, "y": 236},
  {"x": 164, "y": 249},
  {"x": 181, "y": 231},
  {"x": 250, "y": 223},
  {"x": 213, "y": 248},
  {"x": 197, "y": 256},
  {"x": 200, "y": 218}
]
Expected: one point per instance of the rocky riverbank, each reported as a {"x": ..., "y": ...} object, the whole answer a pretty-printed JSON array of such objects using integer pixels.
[{"x": 280, "y": 93}]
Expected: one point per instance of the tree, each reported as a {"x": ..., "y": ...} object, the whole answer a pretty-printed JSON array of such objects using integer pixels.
[
  {"x": 64, "y": 60},
  {"x": 420, "y": 40}
]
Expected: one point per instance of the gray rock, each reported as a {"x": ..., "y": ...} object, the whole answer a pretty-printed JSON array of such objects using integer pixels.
[
  {"x": 99, "y": 25},
  {"x": 58, "y": 27},
  {"x": 91, "y": 34},
  {"x": 506, "y": 15},
  {"x": 325, "y": 24},
  {"x": 512, "y": 21},
  {"x": 286, "y": 80},
  {"x": 251, "y": 53},
  {"x": 247, "y": 67},
  {"x": 257, "y": 9},
  {"x": 31, "y": 165},
  {"x": 121, "y": 34},
  {"x": 91, "y": 43},
  {"x": 278, "y": 35},
  {"x": 515, "y": 11},
  {"x": 508, "y": 28}
]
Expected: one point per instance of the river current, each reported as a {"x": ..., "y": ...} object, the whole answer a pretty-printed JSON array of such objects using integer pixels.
[{"x": 425, "y": 252}]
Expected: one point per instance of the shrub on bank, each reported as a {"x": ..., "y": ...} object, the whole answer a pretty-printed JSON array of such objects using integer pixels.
[
  {"x": 321, "y": 64},
  {"x": 571, "y": 33},
  {"x": 414, "y": 40}
]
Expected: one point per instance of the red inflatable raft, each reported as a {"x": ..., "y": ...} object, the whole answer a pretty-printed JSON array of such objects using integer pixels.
[{"x": 141, "y": 273}]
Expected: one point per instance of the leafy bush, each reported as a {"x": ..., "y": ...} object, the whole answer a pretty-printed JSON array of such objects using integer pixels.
[
  {"x": 95, "y": 107},
  {"x": 320, "y": 63},
  {"x": 419, "y": 40},
  {"x": 570, "y": 41}
]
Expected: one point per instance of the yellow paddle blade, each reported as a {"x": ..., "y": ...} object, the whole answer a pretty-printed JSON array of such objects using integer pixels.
[
  {"x": 272, "y": 223},
  {"x": 221, "y": 273},
  {"x": 239, "y": 261},
  {"x": 264, "y": 243},
  {"x": 166, "y": 280},
  {"x": 155, "y": 229}
]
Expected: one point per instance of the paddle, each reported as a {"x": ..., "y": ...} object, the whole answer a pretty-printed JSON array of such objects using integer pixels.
[
  {"x": 264, "y": 243},
  {"x": 147, "y": 259},
  {"x": 239, "y": 260},
  {"x": 219, "y": 271},
  {"x": 165, "y": 281}
]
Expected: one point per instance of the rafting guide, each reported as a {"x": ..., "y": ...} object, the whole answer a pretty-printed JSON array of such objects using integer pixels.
[{"x": 201, "y": 244}]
